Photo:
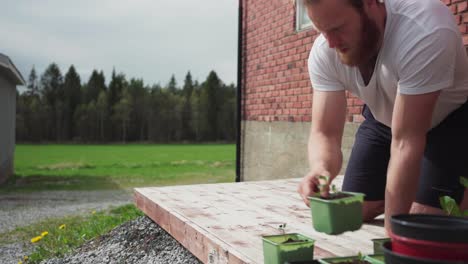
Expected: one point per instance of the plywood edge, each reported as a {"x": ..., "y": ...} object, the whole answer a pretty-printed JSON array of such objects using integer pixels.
[{"x": 200, "y": 242}]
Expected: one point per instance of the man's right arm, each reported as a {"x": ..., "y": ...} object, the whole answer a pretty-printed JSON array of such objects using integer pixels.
[{"x": 324, "y": 147}]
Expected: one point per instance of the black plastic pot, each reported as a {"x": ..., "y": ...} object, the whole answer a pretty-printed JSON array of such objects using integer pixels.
[
  {"x": 439, "y": 228},
  {"x": 395, "y": 258},
  {"x": 430, "y": 236}
]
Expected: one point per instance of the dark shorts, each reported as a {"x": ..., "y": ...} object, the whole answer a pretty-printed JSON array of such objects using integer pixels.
[{"x": 445, "y": 159}]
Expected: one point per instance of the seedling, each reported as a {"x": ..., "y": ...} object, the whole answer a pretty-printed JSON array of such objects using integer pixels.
[
  {"x": 360, "y": 256},
  {"x": 282, "y": 228},
  {"x": 450, "y": 206},
  {"x": 333, "y": 193},
  {"x": 326, "y": 180}
]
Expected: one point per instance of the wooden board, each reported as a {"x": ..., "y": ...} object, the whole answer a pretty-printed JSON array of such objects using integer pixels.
[{"x": 224, "y": 223}]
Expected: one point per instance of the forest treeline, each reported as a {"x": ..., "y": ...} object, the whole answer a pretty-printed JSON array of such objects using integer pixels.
[{"x": 57, "y": 108}]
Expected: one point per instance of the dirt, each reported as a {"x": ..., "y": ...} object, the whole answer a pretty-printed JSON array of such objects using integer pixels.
[
  {"x": 291, "y": 240},
  {"x": 334, "y": 196}
]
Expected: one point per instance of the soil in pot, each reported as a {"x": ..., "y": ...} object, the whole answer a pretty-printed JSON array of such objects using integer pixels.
[
  {"x": 334, "y": 196},
  {"x": 292, "y": 240}
]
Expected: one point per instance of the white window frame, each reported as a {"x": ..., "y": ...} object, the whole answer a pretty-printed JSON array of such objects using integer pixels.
[{"x": 302, "y": 20}]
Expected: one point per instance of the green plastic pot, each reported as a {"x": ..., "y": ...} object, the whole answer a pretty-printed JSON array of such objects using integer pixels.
[
  {"x": 373, "y": 259},
  {"x": 338, "y": 215},
  {"x": 338, "y": 259},
  {"x": 275, "y": 251},
  {"x": 378, "y": 243}
]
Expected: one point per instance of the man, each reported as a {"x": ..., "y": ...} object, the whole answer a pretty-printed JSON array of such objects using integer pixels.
[{"x": 405, "y": 59}]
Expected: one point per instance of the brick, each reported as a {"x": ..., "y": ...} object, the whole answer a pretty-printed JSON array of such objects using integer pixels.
[
  {"x": 461, "y": 7},
  {"x": 463, "y": 28},
  {"x": 276, "y": 85}
]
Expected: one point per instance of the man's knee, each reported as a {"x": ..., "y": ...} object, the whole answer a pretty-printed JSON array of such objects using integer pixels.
[
  {"x": 372, "y": 209},
  {"x": 418, "y": 208}
]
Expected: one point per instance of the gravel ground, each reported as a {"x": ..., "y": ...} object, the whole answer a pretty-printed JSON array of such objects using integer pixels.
[
  {"x": 28, "y": 208},
  {"x": 23, "y": 209},
  {"x": 139, "y": 241}
]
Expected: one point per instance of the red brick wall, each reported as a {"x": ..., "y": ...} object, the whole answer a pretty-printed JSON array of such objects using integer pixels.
[{"x": 275, "y": 81}]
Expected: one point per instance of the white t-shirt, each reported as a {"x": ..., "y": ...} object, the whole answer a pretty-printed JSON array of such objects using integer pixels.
[{"x": 422, "y": 52}]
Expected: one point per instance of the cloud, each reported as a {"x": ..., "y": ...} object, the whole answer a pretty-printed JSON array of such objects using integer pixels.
[{"x": 149, "y": 39}]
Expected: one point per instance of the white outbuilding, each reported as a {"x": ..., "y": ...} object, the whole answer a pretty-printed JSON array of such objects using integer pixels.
[{"x": 10, "y": 77}]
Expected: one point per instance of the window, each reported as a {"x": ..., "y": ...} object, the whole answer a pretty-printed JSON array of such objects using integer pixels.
[{"x": 302, "y": 19}]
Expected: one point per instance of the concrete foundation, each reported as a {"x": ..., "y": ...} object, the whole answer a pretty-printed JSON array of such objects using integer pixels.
[{"x": 278, "y": 150}]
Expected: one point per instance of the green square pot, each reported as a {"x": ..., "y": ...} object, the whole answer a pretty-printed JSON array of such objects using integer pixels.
[
  {"x": 338, "y": 259},
  {"x": 275, "y": 251},
  {"x": 374, "y": 259},
  {"x": 338, "y": 215},
  {"x": 378, "y": 243}
]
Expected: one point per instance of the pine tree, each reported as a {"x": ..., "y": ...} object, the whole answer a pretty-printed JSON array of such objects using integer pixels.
[
  {"x": 52, "y": 91},
  {"x": 96, "y": 84},
  {"x": 72, "y": 91},
  {"x": 187, "y": 132},
  {"x": 116, "y": 86},
  {"x": 101, "y": 108},
  {"x": 210, "y": 106},
  {"x": 122, "y": 112},
  {"x": 172, "y": 85},
  {"x": 33, "y": 86}
]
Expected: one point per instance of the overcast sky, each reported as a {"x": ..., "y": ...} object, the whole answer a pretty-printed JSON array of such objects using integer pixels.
[{"x": 149, "y": 39}]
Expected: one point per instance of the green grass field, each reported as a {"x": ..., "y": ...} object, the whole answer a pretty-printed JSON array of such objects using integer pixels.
[{"x": 88, "y": 167}]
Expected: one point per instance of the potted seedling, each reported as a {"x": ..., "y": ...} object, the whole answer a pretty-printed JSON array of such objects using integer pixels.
[
  {"x": 359, "y": 259},
  {"x": 278, "y": 249},
  {"x": 337, "y": 213}
]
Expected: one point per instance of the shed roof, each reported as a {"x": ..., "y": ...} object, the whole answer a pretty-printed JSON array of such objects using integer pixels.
[{"x": 8, "y": 69}]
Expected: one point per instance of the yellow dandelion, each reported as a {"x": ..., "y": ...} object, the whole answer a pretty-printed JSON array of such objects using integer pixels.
[
  {"x": 25, "y": 258},
  {"x": 20, "y": 262},
  {"x": 35, "y": 239},
  {"x": 45, "y": 233},
  {"x": 93, "y": 212},
  {"x": 62, "y": 226}
]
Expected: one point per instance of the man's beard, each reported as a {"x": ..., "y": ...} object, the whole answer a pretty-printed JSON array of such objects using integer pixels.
[{"x": 367, "y": 46}]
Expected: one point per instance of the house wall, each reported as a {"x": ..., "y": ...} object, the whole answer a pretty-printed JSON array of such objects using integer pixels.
[
  {"x": 277, "y": 94},
  {"x": 7, "y": 127}
]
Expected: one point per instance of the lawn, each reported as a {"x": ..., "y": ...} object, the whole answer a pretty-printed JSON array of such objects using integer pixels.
[
  {"x": 95, "y": 167},
  {"x": 87, "y": 167}
]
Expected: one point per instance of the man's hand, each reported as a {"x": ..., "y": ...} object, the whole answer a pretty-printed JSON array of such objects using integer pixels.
[{"x": 313, "y": 183}]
